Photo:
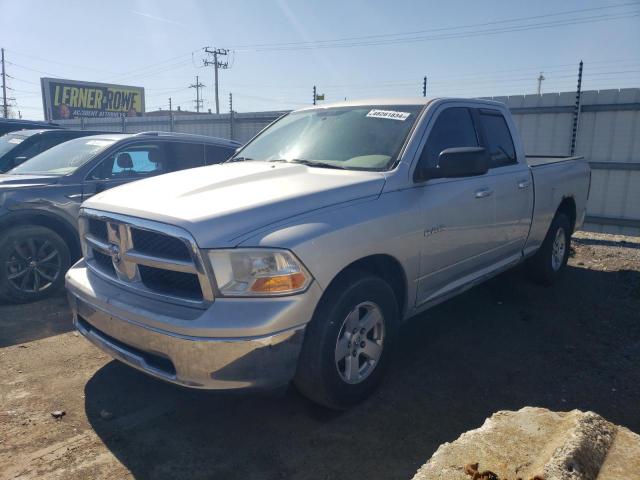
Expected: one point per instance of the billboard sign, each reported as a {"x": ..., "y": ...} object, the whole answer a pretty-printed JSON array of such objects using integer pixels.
[{"x": 65, "y": 99}]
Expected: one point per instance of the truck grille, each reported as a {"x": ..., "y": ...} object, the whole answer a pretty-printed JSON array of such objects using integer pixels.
[
  {"x": 155, "y": 259},
  {"x": 153, "y": 243}
]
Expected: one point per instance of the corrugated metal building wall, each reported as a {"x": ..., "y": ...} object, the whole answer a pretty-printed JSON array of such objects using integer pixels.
[{"x": 608, "y": 137}]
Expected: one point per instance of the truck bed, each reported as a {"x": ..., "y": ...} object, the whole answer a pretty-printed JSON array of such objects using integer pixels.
[{"x": 539, "y": 160}]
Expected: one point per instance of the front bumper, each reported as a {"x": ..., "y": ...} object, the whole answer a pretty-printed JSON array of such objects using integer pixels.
[{"x": 191, "y": 347}]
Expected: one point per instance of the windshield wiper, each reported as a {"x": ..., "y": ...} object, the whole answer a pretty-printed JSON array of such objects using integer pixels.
[
  {"x": 238, "y": 159},
  {"x": 311, "y": 163}
]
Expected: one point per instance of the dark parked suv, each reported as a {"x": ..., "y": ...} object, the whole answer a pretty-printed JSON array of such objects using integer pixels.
[
  {"x": 18, "y": 147},
  {"x": 11, "y": 125},
  {"x": 40, "y": 199}
]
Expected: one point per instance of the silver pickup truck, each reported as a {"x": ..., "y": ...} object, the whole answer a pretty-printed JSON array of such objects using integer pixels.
[{"x": 299, "y": 258}]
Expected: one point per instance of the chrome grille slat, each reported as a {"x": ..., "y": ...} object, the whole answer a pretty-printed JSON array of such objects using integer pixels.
[
  {"x": 160, "y": 262},
  {"x": 97, "y": 244},
  {"x": 183, "y": 279}
]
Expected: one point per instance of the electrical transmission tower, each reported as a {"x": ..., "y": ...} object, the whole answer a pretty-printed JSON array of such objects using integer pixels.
[
  {"x": 540, "y": 79},
  {"x": 198, "y": 99},
  {"x": 217, "y": 64}
]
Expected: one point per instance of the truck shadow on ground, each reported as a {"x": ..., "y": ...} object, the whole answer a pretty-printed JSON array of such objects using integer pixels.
[
  {"x": 503, "y": 345},
  {"x": 23, "y": 323}
]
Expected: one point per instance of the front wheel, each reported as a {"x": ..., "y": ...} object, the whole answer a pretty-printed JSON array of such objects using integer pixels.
[
  {"x": 33, "y": 262},
  {"x": 348, "y": 342},
  {"x": 549, "y": 262}
]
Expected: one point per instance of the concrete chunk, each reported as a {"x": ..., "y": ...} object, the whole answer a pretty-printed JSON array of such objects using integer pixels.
[{"x": 537, "y": 442}]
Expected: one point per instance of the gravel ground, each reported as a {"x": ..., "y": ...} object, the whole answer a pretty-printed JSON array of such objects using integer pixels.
[{"x": 503, "y": 345}]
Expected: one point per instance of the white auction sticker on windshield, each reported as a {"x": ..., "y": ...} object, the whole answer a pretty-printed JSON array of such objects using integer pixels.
[
  {"x": 390, "y": 114},
  {"x": 16, "y": 140},
  {"x": 98, "y": 143}
]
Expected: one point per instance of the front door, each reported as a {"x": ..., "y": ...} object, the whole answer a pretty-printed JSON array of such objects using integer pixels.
[
  {"x": 459, "y": 213},
  {"x": 129, "y": 163}
]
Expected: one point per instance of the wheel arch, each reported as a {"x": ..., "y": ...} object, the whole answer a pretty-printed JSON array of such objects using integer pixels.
[
  {"x": 45, "y": 219},
  {"x": 568, "y": 207},
  {"x": 385, "y": 266}
]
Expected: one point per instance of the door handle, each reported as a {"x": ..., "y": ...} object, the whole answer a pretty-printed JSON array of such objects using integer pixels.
[
  {"x": 522, "y": 184},
  {"x": 483, "y": 192}
]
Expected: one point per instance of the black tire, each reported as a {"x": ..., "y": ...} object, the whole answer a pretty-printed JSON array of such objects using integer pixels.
[
  {"x": 19, "y": 269},
  {"x": 318, "y": 376},
  {"x": 542, "y": 267}
]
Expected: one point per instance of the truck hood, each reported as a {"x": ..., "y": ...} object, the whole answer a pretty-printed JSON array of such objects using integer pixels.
[
  {"x": 219, "y": 203},
  {"x": 8, "y": 180}
]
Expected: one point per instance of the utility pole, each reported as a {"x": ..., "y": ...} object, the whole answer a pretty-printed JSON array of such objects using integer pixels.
[
  {"x": 231, "y": 119},
  {"x": 314, "y": 94},
  {"x": 424, "y": 86},
  {"x": 197, "y": 86},
  {"x": 540, "y": 79},
  {"x": 216, "y": 52},
  {"x": 5, "y": 107},
  {"x": 576, "y": 112},
  {"x": 170, "y": 109}
]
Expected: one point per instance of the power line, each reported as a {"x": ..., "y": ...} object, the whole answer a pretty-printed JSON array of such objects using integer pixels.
[
  {"x": 455, "y": 35},
  {"x": 416, "y": 32}
]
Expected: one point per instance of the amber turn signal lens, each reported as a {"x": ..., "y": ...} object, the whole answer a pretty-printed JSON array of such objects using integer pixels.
[{"x": 280, "y": 283}]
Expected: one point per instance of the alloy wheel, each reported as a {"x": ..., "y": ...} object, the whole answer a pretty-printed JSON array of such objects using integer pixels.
[
  {"x": 33, "y": 265},
  {"x": 360, "y": 343}
]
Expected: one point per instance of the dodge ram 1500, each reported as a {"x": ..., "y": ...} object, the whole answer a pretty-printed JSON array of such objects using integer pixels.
[{"x": 299, "y": 257}]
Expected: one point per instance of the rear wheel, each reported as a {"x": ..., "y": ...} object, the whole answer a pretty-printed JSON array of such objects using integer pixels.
[
  {"x": 549, "y": 262},
  {"x": 33, "y": 262},
  {"x": 348, "y": 342}
]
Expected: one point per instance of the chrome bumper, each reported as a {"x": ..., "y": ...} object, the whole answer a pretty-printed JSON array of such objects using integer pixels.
[{"x": 262, "y": 361}]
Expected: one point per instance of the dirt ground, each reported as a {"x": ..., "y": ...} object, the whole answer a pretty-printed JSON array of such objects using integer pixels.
[{"x": 503, "y": 345}]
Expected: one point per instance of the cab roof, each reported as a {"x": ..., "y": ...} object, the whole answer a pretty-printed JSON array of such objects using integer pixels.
[{"x": 398, "y": 101}]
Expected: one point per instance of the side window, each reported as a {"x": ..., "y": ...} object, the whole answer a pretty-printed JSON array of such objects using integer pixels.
[
  {"x": 499, "y": 141},
  {"x": 52, "y": 141},
  {"x": 215, "y": 154},
  {"x": 31, "y": 150},
  {"x": 185, "y": 155},
  {"x": 453, "y": 128},
  {"x": 132, "y": 162}
]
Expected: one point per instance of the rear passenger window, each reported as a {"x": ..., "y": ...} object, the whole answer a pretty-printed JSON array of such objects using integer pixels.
[
  {"x": 453, "y": 128},
  {"x": 500, "y": 143},
  {"x": 215, "y": 154},
  {"x": 186, "y": 155}
]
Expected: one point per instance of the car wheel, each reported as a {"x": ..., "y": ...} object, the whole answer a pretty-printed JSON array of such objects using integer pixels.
[
  {"x": 33, "y": 262},
  {"x": 549, "y": 262},
  {"x": 348, "y": 342}
]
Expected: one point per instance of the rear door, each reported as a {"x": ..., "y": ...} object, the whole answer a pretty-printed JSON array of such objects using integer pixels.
[
  {"x": 218, "y": 153},
  {"x": 511, "y": 181},
  {"x": 183, "y": 155}
]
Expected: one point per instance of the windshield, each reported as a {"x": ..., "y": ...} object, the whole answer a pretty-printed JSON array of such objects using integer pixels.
[
  {"x": 64, "y": 158},
  {"x": 358, "y": 138},
  {"x": 10, "y": 141}
]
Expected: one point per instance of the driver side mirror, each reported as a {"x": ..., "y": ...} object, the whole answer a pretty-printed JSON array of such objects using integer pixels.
[{"x": 459, "y": 162}]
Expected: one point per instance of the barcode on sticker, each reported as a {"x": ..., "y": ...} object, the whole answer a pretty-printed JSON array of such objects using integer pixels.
[{"x": 390, "y": 114}]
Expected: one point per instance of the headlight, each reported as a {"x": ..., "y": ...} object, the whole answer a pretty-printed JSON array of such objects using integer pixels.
[{"x": 258, "y": 272}]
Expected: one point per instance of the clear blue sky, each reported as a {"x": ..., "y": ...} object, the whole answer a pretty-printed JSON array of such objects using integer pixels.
[{"x": 467, "y": 48}]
